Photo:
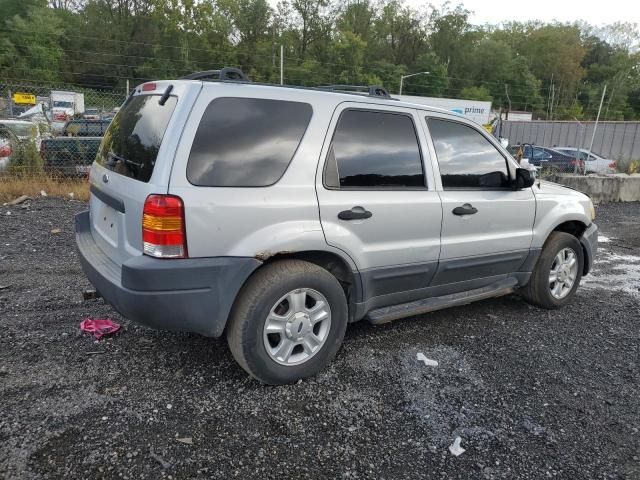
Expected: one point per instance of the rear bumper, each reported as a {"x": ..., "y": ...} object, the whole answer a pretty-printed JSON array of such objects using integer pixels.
[
  {"x": 589, "y": 241},
  {"x": 193, "y": 295}
]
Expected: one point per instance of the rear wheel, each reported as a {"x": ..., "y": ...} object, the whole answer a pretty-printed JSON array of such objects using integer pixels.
[
  {"x": 288, "y": 322},
  {"x": 557, "y": 274}
]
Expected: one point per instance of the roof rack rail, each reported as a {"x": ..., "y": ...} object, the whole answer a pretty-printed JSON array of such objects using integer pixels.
[
  {"x": 371, "y": 90},
  {"x": 226, "y": 74}
]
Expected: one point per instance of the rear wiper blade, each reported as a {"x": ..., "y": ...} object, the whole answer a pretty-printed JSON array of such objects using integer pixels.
[{"x": 118, "y": 158}]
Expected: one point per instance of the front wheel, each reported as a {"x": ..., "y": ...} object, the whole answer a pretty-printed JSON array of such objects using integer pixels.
[
  {"x": 557, "y": 274},
  {"x": 288, "y": 322}
]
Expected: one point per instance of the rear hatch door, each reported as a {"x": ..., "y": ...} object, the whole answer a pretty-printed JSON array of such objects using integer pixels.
[{"x": 134, "y": 161}]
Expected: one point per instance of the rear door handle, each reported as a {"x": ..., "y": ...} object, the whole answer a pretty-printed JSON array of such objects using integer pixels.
[
  {"x": 466, "y": 209},
  {"x": 356, "y": 213}
]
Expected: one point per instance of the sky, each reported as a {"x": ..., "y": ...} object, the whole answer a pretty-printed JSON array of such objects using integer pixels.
[{"x": 595, "y": 12}]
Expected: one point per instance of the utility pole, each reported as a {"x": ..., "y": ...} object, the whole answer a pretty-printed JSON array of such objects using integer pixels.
[
  {"x": 553, "y": 96},
  {"x": 281, "y": 64},
  {"x": 549, "y": 96},
  {"x": 10, "y": 103},
  {"x": 593, "y": 136},
  {"x": 506, "y": 90}
]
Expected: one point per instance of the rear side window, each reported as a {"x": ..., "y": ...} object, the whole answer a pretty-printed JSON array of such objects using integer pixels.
[
  {"x": 131, "y": 143},
  {"x": 466, "y": 158},
  {"x": 374, "y": 150},
  {"x": 246, "y": 142}
]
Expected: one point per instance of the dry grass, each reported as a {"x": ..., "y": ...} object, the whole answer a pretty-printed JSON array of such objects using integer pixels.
[{"x": 13, "y": 186}]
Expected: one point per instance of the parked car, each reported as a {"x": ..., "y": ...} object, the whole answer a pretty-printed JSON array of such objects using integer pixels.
[
  {"x": 85, "y": 128},
  {"x": 8, "y": 141},
  {"x": 25, "y": 131},
  {"x": 593, "y": 163},
  {"x": 73, "y": 153},
  {"x": 91, "y": 113},
  {"x": 276, "y": 216},
  {"x": 548, "y": 158}
]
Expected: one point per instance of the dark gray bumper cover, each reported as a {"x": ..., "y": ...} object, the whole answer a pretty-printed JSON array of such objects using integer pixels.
[
  {"x": 194, "y": 295},
  {"x": 589, "y": 241}
]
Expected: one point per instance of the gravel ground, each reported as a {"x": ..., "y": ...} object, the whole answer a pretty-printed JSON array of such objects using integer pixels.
[{"x": 531, "y": 393}]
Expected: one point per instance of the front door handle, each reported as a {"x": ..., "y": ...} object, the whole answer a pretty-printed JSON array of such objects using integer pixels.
[
  {"x": 466, "y": 209},
  {"x": 356, "y": 213}
]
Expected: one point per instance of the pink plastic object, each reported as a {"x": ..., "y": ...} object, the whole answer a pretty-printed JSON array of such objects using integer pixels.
[{"x": 99, "y": 328}]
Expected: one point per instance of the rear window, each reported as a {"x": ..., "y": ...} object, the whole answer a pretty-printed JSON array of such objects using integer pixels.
[
  {"x": 246, "y": 142},
  {"x": 131, "y": 143}
]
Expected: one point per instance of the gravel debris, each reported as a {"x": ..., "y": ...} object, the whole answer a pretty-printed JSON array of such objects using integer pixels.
[{"x": 532, "y": 393}]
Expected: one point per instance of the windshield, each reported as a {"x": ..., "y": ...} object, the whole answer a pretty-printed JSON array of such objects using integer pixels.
[
  {"x": 23, "y": 129},
  {"x": 61, "y": 104},
  {"x": 131, "y": 143}
]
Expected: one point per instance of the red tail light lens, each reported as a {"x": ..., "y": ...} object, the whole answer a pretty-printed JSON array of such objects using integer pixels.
[
  {"x": 163, "y": 227},
  {"x": 613, "y": 165},
  {"x": 147, "y": 87},
  {"x": 5, "y": 151}
]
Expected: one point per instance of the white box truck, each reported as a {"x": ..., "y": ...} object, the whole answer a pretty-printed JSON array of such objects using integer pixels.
[{"x": 65, "y": 106}]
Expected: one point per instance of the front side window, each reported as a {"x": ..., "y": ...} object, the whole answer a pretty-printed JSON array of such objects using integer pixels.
[
  {"x": 246, "y": 142},
  {"x": 374, "y": 150},
  {"x": 466, "y": 158}
]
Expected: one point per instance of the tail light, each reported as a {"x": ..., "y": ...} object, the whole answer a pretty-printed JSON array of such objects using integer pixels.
[
  {"x": 163, "y": 227},
  {"x": 60, "y": 116},
  {"x": 5, "y": 151},
  {"x": 613, "y": 165}
]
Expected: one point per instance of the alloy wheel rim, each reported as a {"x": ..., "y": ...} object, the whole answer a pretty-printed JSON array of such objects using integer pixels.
[
  {"x": 297, "y": 327},
  {"x": 563, "y": 273}
]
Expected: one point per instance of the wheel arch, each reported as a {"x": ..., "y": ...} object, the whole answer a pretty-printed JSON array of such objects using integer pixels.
[
  {"x": 341, "y": 268},
  {"x": 575, "y": 228},
  {"x": 334, "y": 263}
]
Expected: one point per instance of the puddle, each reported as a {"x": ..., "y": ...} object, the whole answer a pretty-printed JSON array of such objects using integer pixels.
[{"x": 613, "y": 271}]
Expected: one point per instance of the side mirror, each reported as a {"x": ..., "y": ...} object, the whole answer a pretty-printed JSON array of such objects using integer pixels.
[{"x": 524, "y": 179}]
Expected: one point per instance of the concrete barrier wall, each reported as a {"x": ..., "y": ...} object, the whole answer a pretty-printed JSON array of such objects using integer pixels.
[{"x": 604, "y": 188}]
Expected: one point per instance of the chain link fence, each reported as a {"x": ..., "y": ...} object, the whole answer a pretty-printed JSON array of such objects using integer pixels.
[
  {"x": 55, "y": 130},
  {"x": 52, "y": 130}
]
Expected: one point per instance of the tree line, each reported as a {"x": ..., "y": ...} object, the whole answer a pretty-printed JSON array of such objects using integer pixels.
[{"x": 554, "y": 70}]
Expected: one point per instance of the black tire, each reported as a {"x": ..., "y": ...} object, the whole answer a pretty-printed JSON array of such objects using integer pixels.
[
  {"x": 252, "y": 307},
  {"x": 537, "y": 291}
]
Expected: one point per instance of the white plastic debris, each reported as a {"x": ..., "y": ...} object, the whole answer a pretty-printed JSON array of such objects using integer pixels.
[
  {"x": 455, "y": 448},
  {"x": 427, "y": 361},
  {"x": 71, "y": 194},
  {"x": 43, "y": 193}
]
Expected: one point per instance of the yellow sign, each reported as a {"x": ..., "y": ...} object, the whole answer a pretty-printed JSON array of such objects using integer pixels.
[{"x": 24, "y": 98}]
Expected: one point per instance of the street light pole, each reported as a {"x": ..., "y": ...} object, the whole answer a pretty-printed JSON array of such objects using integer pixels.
[{"x": 402, "y": 77}]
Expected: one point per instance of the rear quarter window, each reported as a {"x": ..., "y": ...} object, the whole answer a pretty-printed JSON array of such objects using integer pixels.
[{"x": 246, "y": 142}]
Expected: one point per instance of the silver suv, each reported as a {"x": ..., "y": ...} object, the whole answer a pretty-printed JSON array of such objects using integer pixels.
[{"x": 278, "y": 215}]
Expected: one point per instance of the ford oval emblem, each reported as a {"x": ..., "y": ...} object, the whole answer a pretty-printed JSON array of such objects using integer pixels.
[{"x": 105, "y": 178}]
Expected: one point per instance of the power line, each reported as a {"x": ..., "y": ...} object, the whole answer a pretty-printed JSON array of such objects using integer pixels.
[{"x": 235, "y": 49}]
